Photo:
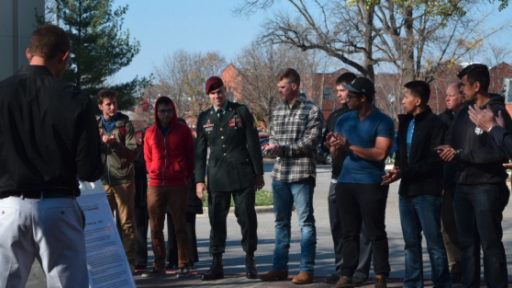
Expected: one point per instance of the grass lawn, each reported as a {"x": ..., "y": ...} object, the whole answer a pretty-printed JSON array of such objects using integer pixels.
[{"x": 263, "y": 198}]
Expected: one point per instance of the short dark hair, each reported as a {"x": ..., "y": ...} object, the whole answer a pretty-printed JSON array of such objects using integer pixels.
[
  {"x": 164, "y": 100},
  {"x": 290, "y": 74},
  {"x": 182, "y": 120},
  {"x": 106, "y": 93},
  {"x": 477, "y": 73},
  {"x": 346, "y": 78},
  {"x": 419, "y": 89},
  {"x": 48, "y": 41}
]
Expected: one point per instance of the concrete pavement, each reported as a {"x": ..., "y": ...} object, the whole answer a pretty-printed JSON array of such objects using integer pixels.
[{"x": 234, "y": 255}]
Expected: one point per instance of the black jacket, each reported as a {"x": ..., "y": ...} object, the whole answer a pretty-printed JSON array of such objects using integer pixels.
[
  {"x": 422, "y": 173},
  {"x": 450, "y": 168},
  {"x": 477, "y": 163},
  {"x": 337, "y": 164},
  {"x": 48, "y": 134}
]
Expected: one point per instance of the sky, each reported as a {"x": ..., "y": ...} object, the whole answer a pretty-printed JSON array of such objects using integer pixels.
[{"x": 165, "y": 26}]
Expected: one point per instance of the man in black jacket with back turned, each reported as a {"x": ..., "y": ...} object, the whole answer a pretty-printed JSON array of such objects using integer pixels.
[
  {"x": 481, "y": 194},
  {"x": 421, "y": 171},
  {"x": 365, "y": 255},
  {"x": 48, "y": 137}
]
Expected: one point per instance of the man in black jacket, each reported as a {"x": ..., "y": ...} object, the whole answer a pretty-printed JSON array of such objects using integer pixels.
[
  {"x": 421, "y": 171},
  {"x": 48, "y": 137},
  {"x": 481, "y": 194},
  {"x": 455, "y": 101},
  {"x": 365, "y": 256}
]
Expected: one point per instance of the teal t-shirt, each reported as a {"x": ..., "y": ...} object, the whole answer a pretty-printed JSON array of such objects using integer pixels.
[{"x": 363, "y": 134}]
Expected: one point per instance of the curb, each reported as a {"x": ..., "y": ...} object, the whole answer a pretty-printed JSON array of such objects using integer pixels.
[{"x": 259, "y": 210}]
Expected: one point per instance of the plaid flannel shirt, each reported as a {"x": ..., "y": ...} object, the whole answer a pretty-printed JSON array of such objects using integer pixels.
[{"x": 298, "y": 130}]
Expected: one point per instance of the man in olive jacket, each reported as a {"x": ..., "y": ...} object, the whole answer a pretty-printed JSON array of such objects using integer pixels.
[
  {"x": 235, "y": 167},
  {"x": 120, "y": 149}
]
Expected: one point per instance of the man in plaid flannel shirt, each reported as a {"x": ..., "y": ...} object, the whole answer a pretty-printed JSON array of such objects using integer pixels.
[{"x": 295, "y": 131}]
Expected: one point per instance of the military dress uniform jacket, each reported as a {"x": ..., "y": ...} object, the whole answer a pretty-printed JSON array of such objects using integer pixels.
[{"x": 235, "y": 151}]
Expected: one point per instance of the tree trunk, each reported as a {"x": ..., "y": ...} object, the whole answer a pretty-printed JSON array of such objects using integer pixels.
[{"x": 408, "y": 45}]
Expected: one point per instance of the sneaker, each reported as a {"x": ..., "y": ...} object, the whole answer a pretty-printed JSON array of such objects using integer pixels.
[
  {"x": 140, "y": 267},
  {"x": 154, "y": 272},
  {"x": 183, "y": 272}
]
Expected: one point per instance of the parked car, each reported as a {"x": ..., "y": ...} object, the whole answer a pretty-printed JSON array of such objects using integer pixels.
[
  {"x": 323, "y": 157},
  {"x": 264, "y": 142},
  {"x": 393, "y": 150}
]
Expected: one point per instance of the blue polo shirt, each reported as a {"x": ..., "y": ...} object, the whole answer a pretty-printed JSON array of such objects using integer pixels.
[{"x": 363, "y": 134}]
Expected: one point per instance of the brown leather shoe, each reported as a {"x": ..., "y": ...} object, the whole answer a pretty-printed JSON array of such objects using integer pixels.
[
  {"x": 274, "y": 275},
  {"x": 303, "y": 278},
  {"x": 380, "y": 281},
  {"x": 344, "y": 282}
]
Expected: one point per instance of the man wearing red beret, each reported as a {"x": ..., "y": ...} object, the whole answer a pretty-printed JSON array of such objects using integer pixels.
[{"x": 235, "y": 167}]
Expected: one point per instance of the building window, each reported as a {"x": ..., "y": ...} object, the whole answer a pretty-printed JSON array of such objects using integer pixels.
[
  {"x": 328, "y": 93},
  {"x": 507, "y": 88}
]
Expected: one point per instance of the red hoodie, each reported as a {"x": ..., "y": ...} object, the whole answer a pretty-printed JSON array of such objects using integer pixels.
[{"x": 169, "y": 161}]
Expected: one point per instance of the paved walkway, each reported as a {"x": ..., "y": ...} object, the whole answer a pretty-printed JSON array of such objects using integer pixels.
[
  {"x": 238, "y": 281},
  {"x": 234, "y": 256}
]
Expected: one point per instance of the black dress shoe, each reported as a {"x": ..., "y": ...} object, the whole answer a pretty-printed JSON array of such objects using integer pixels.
[
  {"x": 333, "y": 278},
  {"x": 250, "y": 267},
  {"x": 216, "y": 271},
  {"x": 140, "y": 266},
  {"x": 154, "y": 272}
]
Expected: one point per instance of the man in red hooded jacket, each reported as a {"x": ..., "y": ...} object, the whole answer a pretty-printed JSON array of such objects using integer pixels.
[{"x": 169, "y": 155}]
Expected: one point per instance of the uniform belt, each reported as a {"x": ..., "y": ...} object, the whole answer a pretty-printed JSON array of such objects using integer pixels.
[{"x": 38, "y": 194}]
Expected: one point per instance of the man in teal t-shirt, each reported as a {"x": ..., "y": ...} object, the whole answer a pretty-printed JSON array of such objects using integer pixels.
[{"x": 365, "y": 135}]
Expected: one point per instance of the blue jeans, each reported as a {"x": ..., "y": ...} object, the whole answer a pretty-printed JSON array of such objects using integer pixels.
[
  {"x": 284, "y": 195},
  {"x": 479, "y": 212},
  {"x": 417, "y": 214}
]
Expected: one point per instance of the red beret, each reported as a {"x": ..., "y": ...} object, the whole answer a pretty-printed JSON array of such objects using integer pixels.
[{"x": 213, "y": 83}]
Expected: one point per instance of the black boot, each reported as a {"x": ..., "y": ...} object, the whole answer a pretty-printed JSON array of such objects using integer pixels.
[
  {"x": 250, "y": 267},
  {"x": 216, "y": 271}
]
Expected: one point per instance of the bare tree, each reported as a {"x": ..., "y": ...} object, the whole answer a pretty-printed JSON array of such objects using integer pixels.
[
  {"x": 419, "y": 39},
  {"x": 182, "y": 76},
  {"x": 258, "y": 67},
  {"x": 497, "y": 58}
]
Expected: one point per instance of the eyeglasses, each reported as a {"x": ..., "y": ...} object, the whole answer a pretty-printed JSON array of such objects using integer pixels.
[
  {"x": 165, "y": 111},
  {"x": 350, "y": 97}
]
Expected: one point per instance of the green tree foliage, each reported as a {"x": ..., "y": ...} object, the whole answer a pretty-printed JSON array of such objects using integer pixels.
[{"x": 99, "y": 45}]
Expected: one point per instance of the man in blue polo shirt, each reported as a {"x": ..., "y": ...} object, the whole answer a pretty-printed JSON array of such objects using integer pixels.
[{"x": 365, "y": 135}]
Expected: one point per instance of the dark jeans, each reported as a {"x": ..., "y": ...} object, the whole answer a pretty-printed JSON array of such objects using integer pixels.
[
  {"x": 366, "y": 203},
  {"x": 365, "y": 256},
  {"x": 417, "y": 214},
  {"x": 479, "y": 209},
  {"x": 172, "y": 243},
  {"x": 141, "y": 220}
]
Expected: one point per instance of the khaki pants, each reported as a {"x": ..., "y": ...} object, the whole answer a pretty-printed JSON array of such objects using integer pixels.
[
  {"x": 449, "y": 229},
  {"x": 123, "y": 195},
  {"x": 158, "y": 199}
]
